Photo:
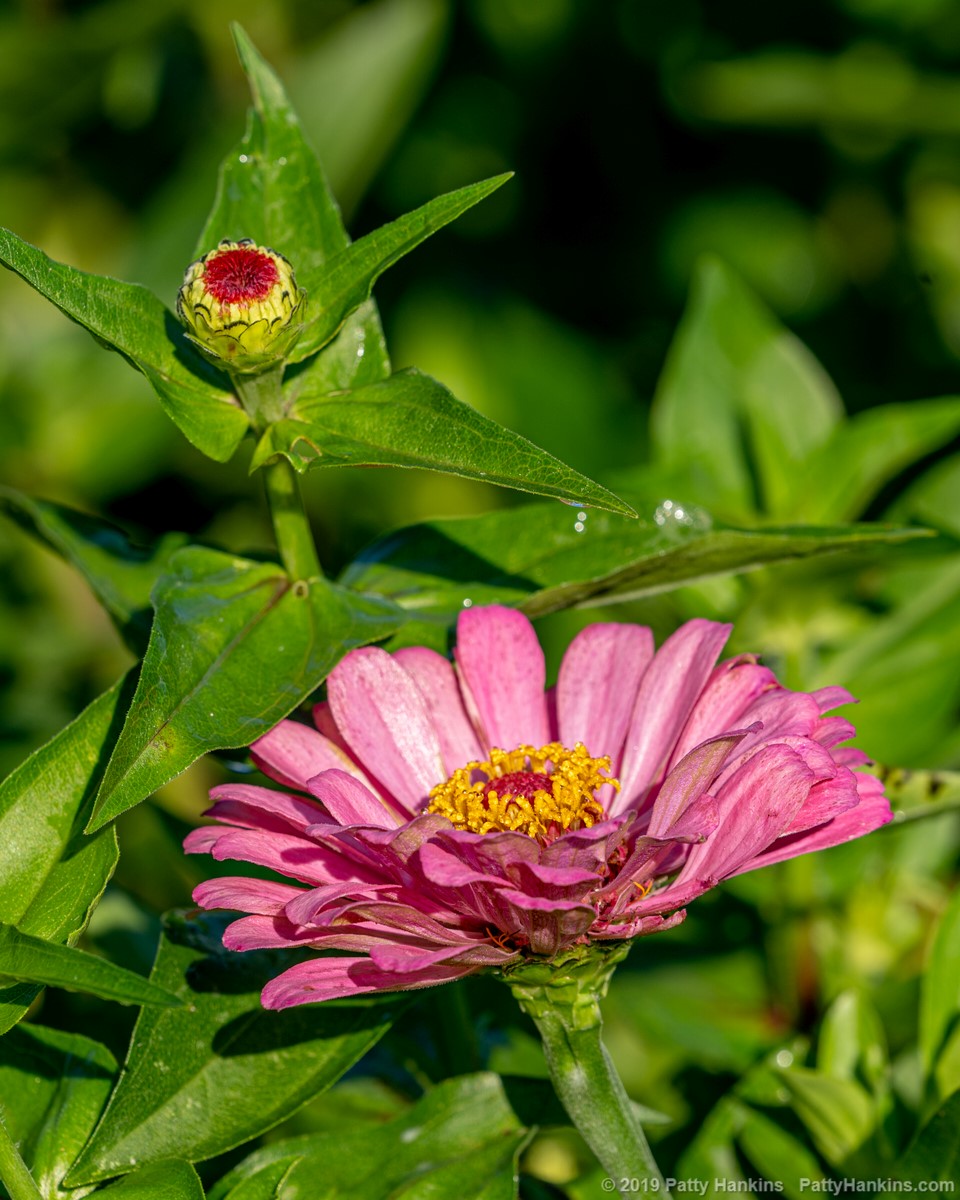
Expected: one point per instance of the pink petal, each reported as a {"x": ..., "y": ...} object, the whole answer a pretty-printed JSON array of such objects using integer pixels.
[
  {"x": 503, "y": 672},
  {"x": 254, "y": 807},
  {"x": 689, "y": 779},
  {"x": 597, "y": 686},
  {"x": 668, "y": 691},
  {"x": 402, "y": 960},
  {"x": 293, "y": 856},
  {"x": 871, "y": 813},
  {"x": 292, "y": 753},
  {"x": 437, "y": 683},
  {"x": 333, "y": 978},
  {"x": 382, "y": 716},
  {"x": 264, "y": 896},
  {"x": 732, "y": 687},
  {"x": 756, "y": 805},
  {"x": 349, "y": 802}
]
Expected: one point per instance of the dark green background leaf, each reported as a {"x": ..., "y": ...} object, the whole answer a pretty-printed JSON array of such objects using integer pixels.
[
  {"x": 129, "y": 318},
  {"x": 410, "y": 420},
  {"x": 462, "y": 1139},
  {"x": 121, "y": 574},
  {"x": 51, "y": 874},
  {"x": 935, "y": 1155},
  {"x": 53, "y": 1087},
  {"x": 234, "y": 648},
  {"x": 203, "y": 1078}
]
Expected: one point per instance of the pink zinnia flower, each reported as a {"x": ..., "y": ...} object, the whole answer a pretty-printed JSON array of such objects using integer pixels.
[{"x": 463, "y": 818}]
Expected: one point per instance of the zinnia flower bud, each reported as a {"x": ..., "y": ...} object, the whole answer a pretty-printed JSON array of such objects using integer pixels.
[{"x": 240, "y": 304}]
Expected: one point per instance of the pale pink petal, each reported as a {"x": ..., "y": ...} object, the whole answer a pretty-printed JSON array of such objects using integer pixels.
[
  {"x": 668, "y": 691},
  {"x": 402, "y": 960},
  {"x": 871, "y": 813},
  {"x": 828, "y": 698},
  {"x": 691, "y": 778},
  {"x": 379, "y": 711},
  {"x": 292, "y": 753},
  {"x": 350, "y": 803},
  {"x": 293, "y": 856},
  {"x": 256, "y": 807},
  {"x": 597, "y": 685},
  {"x": 502, "y": 668},
  {"x": 334, "y": 978},
  {"x": 437, "y": 682},
  {"x": 265, "y": 896},
  {"x": 732, "y": 687},
  {"x": 756, "y": 805}
]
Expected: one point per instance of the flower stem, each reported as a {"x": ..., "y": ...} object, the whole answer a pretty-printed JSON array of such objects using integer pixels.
[
  {"x": 563, "y": 1000},
  {"x": 13, "y": 1170},
  {"x": 290, "y": 525}
]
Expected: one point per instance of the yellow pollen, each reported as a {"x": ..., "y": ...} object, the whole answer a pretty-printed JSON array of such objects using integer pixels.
[{"x": 503, "y": 799}]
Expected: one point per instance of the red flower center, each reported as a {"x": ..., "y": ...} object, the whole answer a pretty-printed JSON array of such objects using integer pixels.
[
  {"x": 240, "y": 276},
  {"x": 521, "y": 783}
]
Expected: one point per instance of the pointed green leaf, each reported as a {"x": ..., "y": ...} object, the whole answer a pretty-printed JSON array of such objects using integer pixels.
[
  {"x": 30, "y": 959},
  {"x": 852, "y": 1043},
  {"x": 273, "y": 189},
  {"x": 121, "y": 574},
  {"x": 53, "y": 1087},
  {"x": 410, "y": 420},
  {"x": 545, "y": 557},
  {"x": 842, "y": 476},
  {"x": 130, "y": 319},
  {"x": 461, "y": 1139},
  {"x": 169, "y": 1180},
  {"x": 741, "y": 402},
  {"x": 940, "y": 987},
  {"x": 777, "y": 1155},
  {"x": 51, "y": 874},
  {"x": 235, "y": 646},
  {"x": 935, "y": 1153},
  {"x": 201, "y": 1079},
  {"x": 838, "y": 1113},
  {"x": 348, "y": 279}
]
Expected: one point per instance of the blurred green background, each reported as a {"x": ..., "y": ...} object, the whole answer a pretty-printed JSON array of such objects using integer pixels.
[{"x": 813, "y": 147}]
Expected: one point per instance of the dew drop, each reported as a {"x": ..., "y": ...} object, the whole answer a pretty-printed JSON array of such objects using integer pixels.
[
  {"x": 282, "y": 160},
  {"x": 784, "y": 1059},
  {"x": 579, "y": 526},
  {"x": 581, "y": 516},
  {"x": 468, "y": 604},
  {"x": 411, "y": 1135},
  {"x": 244, "y": 158}
]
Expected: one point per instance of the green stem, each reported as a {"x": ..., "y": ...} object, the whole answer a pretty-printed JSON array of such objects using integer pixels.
[
  {"x": 13, "y": 1170},
  {"x": 456, "y": 1033},
  {"x": 563, "y": 1000},
  {"x": 290, "y": 525}
]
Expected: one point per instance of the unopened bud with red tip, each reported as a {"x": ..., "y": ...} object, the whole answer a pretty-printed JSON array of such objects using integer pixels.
[{"x": 241, "y": 306}]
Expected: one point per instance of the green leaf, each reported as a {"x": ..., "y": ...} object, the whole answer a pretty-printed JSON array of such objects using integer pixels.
[
  {"x": 852, "y": 1043},
  {"x": 121, "y": 574},
  {"x": 130, "y": 319},
  {"x": 741, "y": 403},
  {"x": 869, "y": 449},
  {"x": 838, "y": 1113},
  {"x": 53, "y": 1087},
  {"x": 544, "y": 557},
  {"x": 410, "y": 420},
  {"x": 461, "y": 1139},
  {"x": 940, "y": 987},
  {"x": 273, "y": 189},
  {"x": 31, "y": 959},
  {"x": 170, "y": 1180},
  {"x": 348, "y": 278},
  {"x": 776, "y": 1154},
  {"x": 201, "y": 1079},
  {"x": 234, "y": 648},
  {"x": 51, "y": 875},
  {"x": 711, "y": 1155},
  {"x": 935, "y": 1153},
  {"x": 919, "y": 795}
]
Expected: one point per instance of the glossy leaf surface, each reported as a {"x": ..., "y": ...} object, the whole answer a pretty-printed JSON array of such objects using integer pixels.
[
  {"x": 461, "y": 1139},
  {"x": 234, "y": 648},
  {"x": 158, "y": 1181},
  {"x": 410, "y": 420},
  {"x": 51, "y": 874},
  {"x": 53, "y": 1087},
  {"x": 31, "y": 959},
  {"x": 545, "y": 557},
  {"x": 201, "y": 1079}
]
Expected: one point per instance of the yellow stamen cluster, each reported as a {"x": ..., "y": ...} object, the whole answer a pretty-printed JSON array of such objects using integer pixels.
[{"x": 472, "y": 804}]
